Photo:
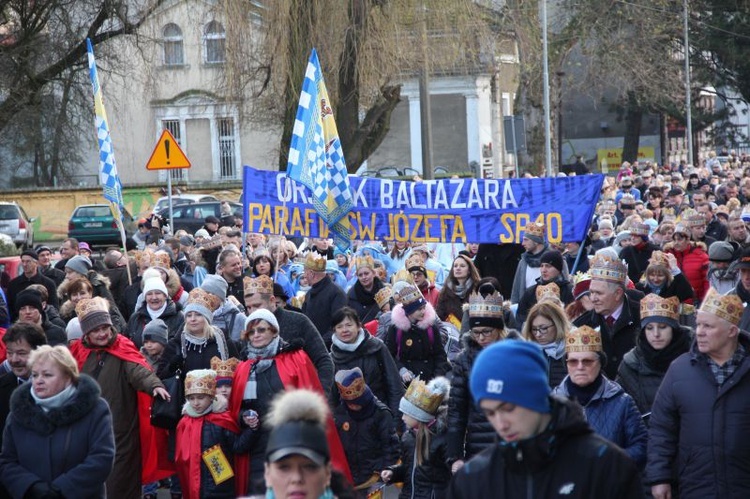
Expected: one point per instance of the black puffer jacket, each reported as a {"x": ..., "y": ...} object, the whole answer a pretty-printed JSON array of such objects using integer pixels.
[
  {"x": 172, "y": 317},
  {"x": 378, "y": 369},
  {"x": 469, "y": 432},
  {"x": 413, "y": 349},
  {"x": 430, "y": 480},
  {"x": 566, "y": 460},
  {"x": 643, "y": 369},
  {"x": 363, "y": 301},
  {"x": 370, "y": 442}
]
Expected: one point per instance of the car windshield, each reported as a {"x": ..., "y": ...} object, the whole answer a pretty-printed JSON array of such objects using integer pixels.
[
  {"x": 93, "y": 211},
  {"x": 8, "y": 212}
]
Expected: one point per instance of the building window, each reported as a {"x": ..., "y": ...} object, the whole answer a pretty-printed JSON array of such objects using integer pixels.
[
  {"x": 174, "y": 128},
  {"x": 214, "y": 38},
  {"x": 227, "y": 159},
  {"x": 173, "y": 53}
]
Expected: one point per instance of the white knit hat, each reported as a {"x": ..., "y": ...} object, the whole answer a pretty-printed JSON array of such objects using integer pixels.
[
  {"x": 264, "y": 314},
  {"x": 154, "y": 284}
]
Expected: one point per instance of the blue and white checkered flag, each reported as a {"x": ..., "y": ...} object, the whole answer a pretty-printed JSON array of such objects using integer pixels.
[
  {"x": 316, "y": 158},
  {"x": 108, "y": 175}
]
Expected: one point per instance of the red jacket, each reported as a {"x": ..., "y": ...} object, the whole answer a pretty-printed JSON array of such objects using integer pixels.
[
  {"x": 430, "y": 293},
  {"x": 693, "y": 262}
]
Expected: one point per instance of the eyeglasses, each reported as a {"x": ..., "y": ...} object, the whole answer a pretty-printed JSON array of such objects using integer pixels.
[
  {"x": 485, "y": 333},
  {"x": 585, "y": 362},
  {"x": 541, "y": 329},
  {"x": 258, "y": 330}
]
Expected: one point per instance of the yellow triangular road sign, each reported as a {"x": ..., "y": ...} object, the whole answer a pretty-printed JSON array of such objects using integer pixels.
[{"x": 167, "y": 154}]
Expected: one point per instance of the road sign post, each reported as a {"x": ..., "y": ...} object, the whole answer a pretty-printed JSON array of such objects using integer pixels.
[{"x": 167, "y": 155}]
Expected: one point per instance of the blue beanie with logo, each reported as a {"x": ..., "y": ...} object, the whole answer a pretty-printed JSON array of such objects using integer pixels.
[{"x": 513, "y": 371}]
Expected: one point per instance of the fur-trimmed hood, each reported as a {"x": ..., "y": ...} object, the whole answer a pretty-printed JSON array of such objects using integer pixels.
[
  {"x": 28, "y": 414},
  {"x": 693, "y": 245},
  {"x": 402, "y": 322},
  {"x": 95, "y": 278}
]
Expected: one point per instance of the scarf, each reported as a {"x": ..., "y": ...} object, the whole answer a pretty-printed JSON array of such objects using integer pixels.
[
  {"x": 534, "y": 260},
  {"x": 188, "y": 410},
  {"x": 191, "y": 342},
  {"x": 654, "y": 289},
  {"x": 659, "y": 360},
  {"x": 460, "y": 289},
  {"x": 584, "y": 394},
  {"x": 554, "y": 350},
  {"x": 55, "y": 401},
  {"x": 349, "y": 347},
  {"x": 265, "y": 356},
  {"x": 155, "y": 314},
  {"x": 365, "y": 297}
]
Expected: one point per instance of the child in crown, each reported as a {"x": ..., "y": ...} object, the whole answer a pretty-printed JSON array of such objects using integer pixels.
[{"x": 208, "y": 441}]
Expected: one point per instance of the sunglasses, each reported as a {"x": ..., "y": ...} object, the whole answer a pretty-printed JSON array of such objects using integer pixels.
[
  {"x": 258, "y": 330},
  {"x": 584, "y": 362}
]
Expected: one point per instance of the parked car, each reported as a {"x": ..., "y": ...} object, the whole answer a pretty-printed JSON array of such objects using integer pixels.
[
  {"x": 191, "y": 217},
  {"x": 15, "y": 223},
  {"x": 94, "y": 224},
  {"x": 179, "y": 199}
]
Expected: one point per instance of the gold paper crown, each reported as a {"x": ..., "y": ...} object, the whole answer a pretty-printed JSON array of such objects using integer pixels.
[
  {"x": 315, "y": 261},
  {"x": 161, "y": 259},
  {"x": 536, "y": 229},
  {"x": 364, "y": 261},
  {"x": 409, "y": 294},
  {"x": 383, "y": 296},
  {"x": 261, "y": 251},
  {"x": 402, "y": 275},
  {"x": 420, "y": 395},
  {"x": 653, "y": 305},
  {"x": 583, "y": 339},
  {"x": 356, "y": 388},
  {"x": 91, "y": 305},
  {"x": 608, "y": 269},
  {"x": 727, "y": 307},
  {"x": 639, "y": 229},
  {"x": 658, "y": 259},
  {"x": 681, "y": 228},
  {"x": 414, "y": 260},
  {"x": 550, "y": 290},
  {"x": 691, "y": 218},
  {"x": 485, "y": 306},
  {"x": 261, "y": 284},
  {"x": 200, "y": 381},
  {"x": 224, "y": 368},
  {"x": 202, "y": 297}
]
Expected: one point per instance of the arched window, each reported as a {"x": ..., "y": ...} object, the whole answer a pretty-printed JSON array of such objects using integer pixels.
[
  {"x": 214, "y": 38},
  {"x": 173, "y": 53}
]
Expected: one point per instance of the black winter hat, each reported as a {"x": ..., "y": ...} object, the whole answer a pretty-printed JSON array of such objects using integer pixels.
[{"x": 554, "y": 258}]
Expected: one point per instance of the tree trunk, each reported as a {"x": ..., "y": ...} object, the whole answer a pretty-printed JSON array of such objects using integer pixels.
[{"x": 633, "y": 119}]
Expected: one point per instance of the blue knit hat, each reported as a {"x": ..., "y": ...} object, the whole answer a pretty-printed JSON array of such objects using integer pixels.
[{"x": 512, "y": 371}]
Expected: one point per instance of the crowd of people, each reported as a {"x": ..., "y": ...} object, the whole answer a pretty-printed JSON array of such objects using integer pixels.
[{"x": 610, "y": 367}]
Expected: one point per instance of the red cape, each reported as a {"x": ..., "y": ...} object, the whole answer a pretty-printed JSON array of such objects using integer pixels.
[
  {"x": 154, "y": 463},
  {"x": 189, "y": 454},
  {"x": 296, "y": 371}
]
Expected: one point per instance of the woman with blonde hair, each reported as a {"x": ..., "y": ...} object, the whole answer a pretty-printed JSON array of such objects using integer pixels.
[
  {"x": 58, "y": 440},
  {"x": 547, "y": 325}
]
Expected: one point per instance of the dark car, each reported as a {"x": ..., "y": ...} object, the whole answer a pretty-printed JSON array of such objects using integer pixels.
[
  {"x": 94, "y": 224},
  {"x": 191, "y": 217},
  {"x": 15, "y": 223}
]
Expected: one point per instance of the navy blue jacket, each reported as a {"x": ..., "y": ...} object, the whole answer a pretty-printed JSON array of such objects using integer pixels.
[
  {"x": 72, "y": 447},
  {"x": 700, "y": 431},
  {"x": 612, "y": 414}
]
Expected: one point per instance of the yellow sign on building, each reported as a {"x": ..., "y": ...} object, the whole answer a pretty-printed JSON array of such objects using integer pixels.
[{"x": 611, "y": 159}]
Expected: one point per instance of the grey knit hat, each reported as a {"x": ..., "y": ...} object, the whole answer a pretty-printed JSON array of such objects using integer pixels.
[
  {"x": 80, "y": 264},
  {"x": 216, "y": 285},
  {"x": 156, "y": 330}
]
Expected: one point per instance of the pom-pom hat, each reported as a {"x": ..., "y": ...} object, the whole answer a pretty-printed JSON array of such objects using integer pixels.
[{"x": 299, "y": 419}]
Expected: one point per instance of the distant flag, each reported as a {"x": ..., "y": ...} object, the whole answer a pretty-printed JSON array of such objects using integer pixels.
[
  {"x": 316, "y": 158},
  {"x": 108, "y": 175}
]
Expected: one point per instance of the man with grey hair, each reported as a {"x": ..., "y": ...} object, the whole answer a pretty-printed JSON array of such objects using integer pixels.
[
  {"x": 697, "y": 431},
  {"x": 616, "y": 313}
]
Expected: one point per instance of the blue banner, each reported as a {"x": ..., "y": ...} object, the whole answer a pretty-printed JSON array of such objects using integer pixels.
[{"x": 451, "y": 210}]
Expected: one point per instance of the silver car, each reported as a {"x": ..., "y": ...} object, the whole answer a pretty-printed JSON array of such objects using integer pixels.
[{"x": 16, "y": 224}]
